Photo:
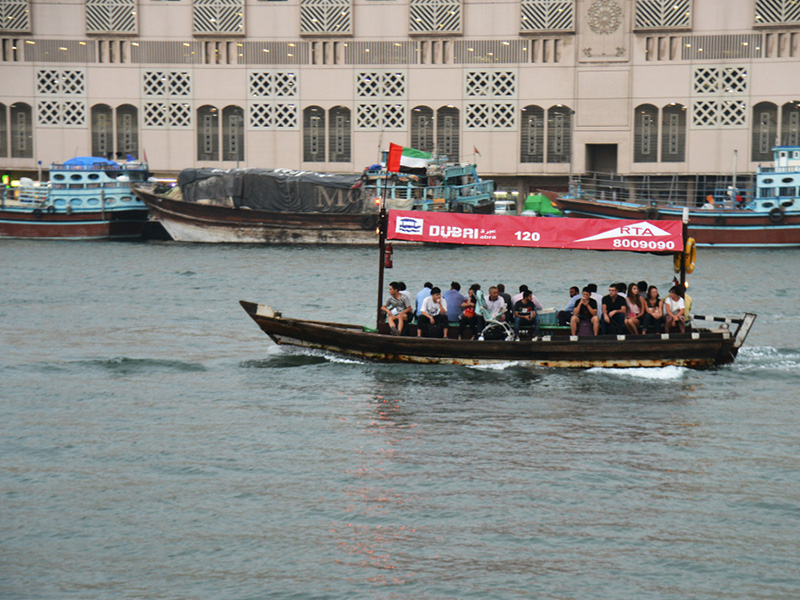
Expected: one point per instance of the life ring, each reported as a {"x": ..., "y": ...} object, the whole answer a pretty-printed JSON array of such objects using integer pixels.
[
  {"x": 369, "y": 222},
  {"x": 651, "y": 213},
  {"x": 51, "y": 209},
  {"x": 37, "y": 212},
  {"x": 690, "y": 254},
  {"x": 676, "y": 262},
  {"x": 776, "y": 214}
]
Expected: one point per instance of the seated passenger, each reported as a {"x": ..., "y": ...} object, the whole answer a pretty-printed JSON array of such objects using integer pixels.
[
  {"x": 469, "y": 317},
  {"x": 674, "y": 311},
  {"x": 585, "y": 310},
  {"x": 635, "y": 309},
  {"x": 614, "y": 311},
  {"x": 525, "y": 314},
  {"x": 454, "y": 299},
  {"x": 433, "y": 316},
  {"x": 654, "y": 311},
  {"x": 397, "y": 308},
  {"x": 496, "y": 305},
  {"x": 565, "y": 316}
]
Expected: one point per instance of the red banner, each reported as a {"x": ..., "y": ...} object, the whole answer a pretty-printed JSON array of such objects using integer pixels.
[{"x": 536, "y": 232}]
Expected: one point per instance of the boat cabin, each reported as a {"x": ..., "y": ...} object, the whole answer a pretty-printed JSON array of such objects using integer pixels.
[{"x": 778, "y": 185}]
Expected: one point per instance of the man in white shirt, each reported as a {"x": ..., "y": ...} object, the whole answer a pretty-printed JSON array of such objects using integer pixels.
[
  {"x": 496, "y": 304},
  {"x": 433, "y": 313},
  {"x": 674, "y": 311}
]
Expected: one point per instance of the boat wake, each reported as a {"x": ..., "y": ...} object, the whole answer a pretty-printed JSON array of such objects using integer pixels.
[
  {"x": 123, "y": 365},
  {"x": 669, "y": 373},
  {"x": 767, "y": 358}
]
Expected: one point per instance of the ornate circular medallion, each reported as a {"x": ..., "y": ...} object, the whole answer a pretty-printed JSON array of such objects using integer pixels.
[{"x": 605, "y": 17}]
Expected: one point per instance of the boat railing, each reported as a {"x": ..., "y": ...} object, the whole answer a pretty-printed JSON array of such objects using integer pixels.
[
  {"x": 33, "y": 195},
  {"x": 661, "y": 191},
  {"x": 101, "y": 166},
  {"x": 775, "y": 169}
]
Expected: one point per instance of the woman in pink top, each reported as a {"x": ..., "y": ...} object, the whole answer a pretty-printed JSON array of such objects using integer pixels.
[{"x": 635, "y": 309}]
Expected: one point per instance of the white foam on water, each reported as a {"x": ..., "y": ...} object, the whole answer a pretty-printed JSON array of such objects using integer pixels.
[
  {"x": 669, "y": 373},
  {"x": 502, "y": 366}
]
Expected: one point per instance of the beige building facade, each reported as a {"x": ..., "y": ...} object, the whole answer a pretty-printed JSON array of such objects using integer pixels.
[{"x": 525, "y": 88}]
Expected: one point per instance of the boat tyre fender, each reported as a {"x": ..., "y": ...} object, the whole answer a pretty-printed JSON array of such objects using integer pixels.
[
  {"x": 37, "y": 212},
  {"x": 720, "y": 221},
  {"x": 51, "y": 209},
  {"x": 690, "y": 252},
  {"x": 369, "y": 222},
  {"x": 776, "y": 214},
  {"x": 651, "y": 213}
]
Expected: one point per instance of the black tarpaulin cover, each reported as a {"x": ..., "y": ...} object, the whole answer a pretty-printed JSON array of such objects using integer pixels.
[{"x": 278, "y": 190}]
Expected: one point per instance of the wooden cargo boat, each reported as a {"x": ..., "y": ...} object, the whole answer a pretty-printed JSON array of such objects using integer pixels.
[
  {"x": 86, "y": 198},
  {"x": 281, "y": 206},
  {"x": 768, "y": 218},
  {"x": 716, "y": 344}
]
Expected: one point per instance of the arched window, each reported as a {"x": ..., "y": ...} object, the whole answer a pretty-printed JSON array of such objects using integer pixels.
[
  {"x": 3, "y": 130},
  {"x": 207, "y": 133},
  {"x": 532, "y": 135},
  {"x": 559, "y": 134},
  {"x": 128, "y": 130},
  {"x": 21, "y": 127},
  {"x": 765, "y": 131},
  {"x": 790, "y": 124},
  {"x": 314, "y": 134},
  {"x": 233, "y": 133},
  {"x": 339, "y": 134},
  {"x": 448, "y": 130},
  {"x": 673, "y": 133},
  {"x": 645, "y": 133},
  {"x": 102, "y": 131},
  {"x": 422, "y": 128}
]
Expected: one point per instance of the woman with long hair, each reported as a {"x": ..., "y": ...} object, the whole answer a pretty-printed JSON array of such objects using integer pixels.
[
  {"x": 654, "y": 311},
  {"x": 635, "y": 309}
]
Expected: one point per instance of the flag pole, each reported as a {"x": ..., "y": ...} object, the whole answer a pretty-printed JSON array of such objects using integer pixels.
[{"x": 383, "y": 223}]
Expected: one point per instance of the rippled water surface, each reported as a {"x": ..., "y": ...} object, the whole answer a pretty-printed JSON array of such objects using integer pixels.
[{"x": 155, "y": 444}]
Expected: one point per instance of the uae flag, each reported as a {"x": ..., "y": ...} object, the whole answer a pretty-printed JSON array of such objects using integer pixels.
[{"x": 406, "y": 159}]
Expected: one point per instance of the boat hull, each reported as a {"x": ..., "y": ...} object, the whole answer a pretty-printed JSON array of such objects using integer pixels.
[
  {"x": 734, "y": 228},
  {"x": 206, "y": 223},
  {"x": 695, "y": 350},
  {"x": 116, "y": 225}
]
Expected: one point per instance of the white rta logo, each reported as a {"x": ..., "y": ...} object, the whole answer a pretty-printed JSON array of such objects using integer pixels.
[
  {"x": 637, "y": 230},
  {"x": 409, "y": 225}
]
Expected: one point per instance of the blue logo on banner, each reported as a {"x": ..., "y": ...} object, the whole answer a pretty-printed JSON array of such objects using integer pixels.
[{"x": 409, "y": 226}]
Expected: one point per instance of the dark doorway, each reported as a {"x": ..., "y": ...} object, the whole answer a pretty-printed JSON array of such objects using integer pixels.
[{"x": 601, "y": 158}]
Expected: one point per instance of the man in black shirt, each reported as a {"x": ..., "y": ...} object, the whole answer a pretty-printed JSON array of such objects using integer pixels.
[
  {"x": 585, "y": 310},
  {"x": 614, "y": 310}
]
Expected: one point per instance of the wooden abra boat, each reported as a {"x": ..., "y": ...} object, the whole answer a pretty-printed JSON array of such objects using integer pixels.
[
  {"x": 768, "y": 218},
  {"x": 87, "y": 198},
  {"x": 714, "y": 345}
]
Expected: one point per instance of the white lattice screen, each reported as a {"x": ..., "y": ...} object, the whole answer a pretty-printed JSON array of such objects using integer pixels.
[
  {"x": 272, "y": 116},
  {"x": 381, "y": 115},
  {"x": 547, "y": 15},
  {"x": 218, "y": 16},
  {"x": 61, "y": 97},
  {"x": 383, "y": 89},
  {"x": 14, "y": 15},
  {"x": 111, "y": 16},
  {"x": 490, "y": 115},
  {"x": 663, "y": 14},
  {"x": 434, "y": 16},
  {"x": 273, "y": 84},
  {"x": 278, "y": 114},
  {"x": 326, "y": 16},
  {"x": 720, "y": 96},
  {"x": 490, "y": 84},
  {"x": 777, "y": 12},
  {"x": 171, "y": 91}
]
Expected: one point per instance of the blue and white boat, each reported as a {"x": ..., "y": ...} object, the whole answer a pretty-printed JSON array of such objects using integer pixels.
[{"x": 86, "y": 198}]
